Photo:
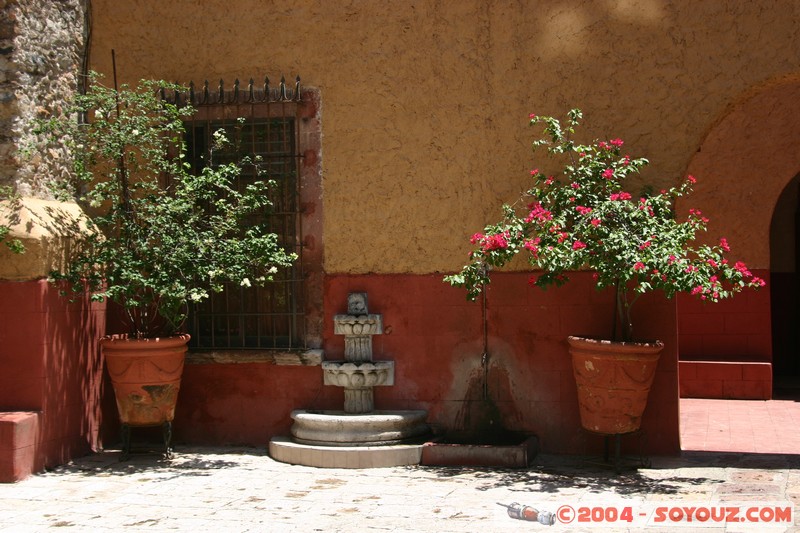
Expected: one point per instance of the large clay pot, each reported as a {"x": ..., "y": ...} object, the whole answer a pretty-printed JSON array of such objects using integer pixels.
[
  {"x": 614, "y": 380},
  {"x": 146, "y": 374}
]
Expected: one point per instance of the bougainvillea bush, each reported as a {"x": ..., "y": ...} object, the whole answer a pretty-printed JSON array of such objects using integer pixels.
[{"x": 584, "y": 218}]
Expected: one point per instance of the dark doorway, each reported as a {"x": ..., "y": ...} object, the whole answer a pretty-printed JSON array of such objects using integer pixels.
[{"x": 785, "y": 292}]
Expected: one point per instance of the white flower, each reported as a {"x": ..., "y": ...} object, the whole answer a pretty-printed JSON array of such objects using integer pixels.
[
  {"x": 245, "y": 282},
  {"x": 134, "y": 132},
  {"x": 211, "y": 274},
  {"x": 273, "y": 270},
  {"x": 198, "y": 296}
]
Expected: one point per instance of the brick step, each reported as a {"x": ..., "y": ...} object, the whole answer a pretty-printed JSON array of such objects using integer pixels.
[
  {"x": 733, "y": 379},
  {"x": 18, "y": 436}
]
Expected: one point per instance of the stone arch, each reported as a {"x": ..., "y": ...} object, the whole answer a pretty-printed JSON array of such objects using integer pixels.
[{"x": 744, "y": 164}]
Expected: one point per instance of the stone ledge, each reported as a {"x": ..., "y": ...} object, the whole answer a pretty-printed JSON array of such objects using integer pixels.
[
  {"x": 274, "y": 357},
  {"x": 47, "y": 229}
]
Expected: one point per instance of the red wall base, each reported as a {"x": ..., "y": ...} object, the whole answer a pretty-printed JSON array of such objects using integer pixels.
[
  {"x": 436, "y": 339},
  {"x": 50, "y": 365}
]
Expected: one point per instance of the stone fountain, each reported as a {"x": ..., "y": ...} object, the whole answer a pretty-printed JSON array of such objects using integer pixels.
[{"x": 357, "y": 436}]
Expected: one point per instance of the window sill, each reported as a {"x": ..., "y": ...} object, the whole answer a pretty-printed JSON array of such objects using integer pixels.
[{"x": 274, "y": 357}]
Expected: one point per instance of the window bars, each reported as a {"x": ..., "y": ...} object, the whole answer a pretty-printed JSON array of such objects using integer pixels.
[{"x": 262, "y": 124}]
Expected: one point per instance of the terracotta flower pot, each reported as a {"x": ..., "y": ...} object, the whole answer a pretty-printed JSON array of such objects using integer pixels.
[
  {"x": 146, "y": 374},
  {"x": 614, "y": 380}
]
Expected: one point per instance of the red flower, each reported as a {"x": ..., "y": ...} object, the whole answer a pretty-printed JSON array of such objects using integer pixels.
[
  {"x": 495, "y": 242},
  {"x": 531, "y": 245},
  {"x": 575, "y": 185},
  {"x": 577, "y": 245},
  {"x": 742, "y": 269},
  {"x": 620, "y": 196},
  {"x": 691, "y": 179},
  {"x": 534, "y": 172},
  {"x": 639, "y": 266},
  {"x": 583, "y": 210},
  {"x": 538, "y": 213},
  {"x": 595, "y": 222},
  {"x": 644, "y": 245}
]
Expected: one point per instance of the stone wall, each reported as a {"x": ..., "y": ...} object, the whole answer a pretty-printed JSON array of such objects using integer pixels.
[{"x": 41, "y": 51}]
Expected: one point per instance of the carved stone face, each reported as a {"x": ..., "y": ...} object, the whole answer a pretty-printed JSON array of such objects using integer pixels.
[{"x": 357, "y": 303}]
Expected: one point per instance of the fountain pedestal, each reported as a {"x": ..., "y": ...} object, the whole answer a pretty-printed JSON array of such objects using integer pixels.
[{"x": 358, "y": 436}]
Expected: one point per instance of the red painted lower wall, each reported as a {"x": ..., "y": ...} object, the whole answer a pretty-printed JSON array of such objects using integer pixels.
[
  {"x": 726, "y": 348},
  {"x": 435, "y": 338},
  {"x": 739, "y": 328},
  {"x": 51, "y": 366}
]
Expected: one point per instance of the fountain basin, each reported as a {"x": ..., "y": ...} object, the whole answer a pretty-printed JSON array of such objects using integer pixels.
[
  {"x": 358, "y": 375},
  {"x": 338, "y": 428}
]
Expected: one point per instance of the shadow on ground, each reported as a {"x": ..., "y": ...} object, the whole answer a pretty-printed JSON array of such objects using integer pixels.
[
  {"x": 664, "y": 475},
  {"x": 108, "y": 462}
]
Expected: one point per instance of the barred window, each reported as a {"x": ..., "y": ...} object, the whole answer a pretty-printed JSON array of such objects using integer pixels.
[{"x": 264, "y": 129}]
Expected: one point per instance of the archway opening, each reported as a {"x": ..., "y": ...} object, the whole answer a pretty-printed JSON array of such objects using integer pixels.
[{"x": 785, "y": 291}]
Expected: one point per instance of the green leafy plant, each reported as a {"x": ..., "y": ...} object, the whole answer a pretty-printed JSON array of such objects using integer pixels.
[
  {"x": 10, "y": 204},
  {"x": 583, "y": 218},
  {"x": 161, "y": 236}
]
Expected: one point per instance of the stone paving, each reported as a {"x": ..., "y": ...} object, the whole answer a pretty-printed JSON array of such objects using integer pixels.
[{"x": 243, "y": 489}]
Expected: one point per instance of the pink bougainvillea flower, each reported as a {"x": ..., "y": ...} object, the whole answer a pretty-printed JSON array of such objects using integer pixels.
[
  {"x": 758, "y": 282},
  {"x": 577, "y": 245},
  {"x": 575, "y": 185},
  {"x": 723, "y": 243},
  {"x": 497, "y": 241},
  {"x": 616, "y": 142},
  {"x": 626, "y": 161},
  {"x": 595, "y": 222},
  {"x": 532, "y": 116},
  {"x": 538, "y": 213},
  {"x": 691, "y": 179},
  {"x": 645, "y": 245},
  {"x": 742, "y": 269},
  {"x": 639, "y": 266},
  {"x": 603, "y": 145},
  {"x": 534, "y": 172},
  {"x": 697, "y": 290},
  {"x": 620, "y": 196},
  {"x": 608, "y": 173},
  {"x": 532, "y": 245},
  {"x": 476, "y": 238},
  {"x": 712, "y": 263},
  {"x": 549, "y": 180},
  {"x": 583, "y": 210}
]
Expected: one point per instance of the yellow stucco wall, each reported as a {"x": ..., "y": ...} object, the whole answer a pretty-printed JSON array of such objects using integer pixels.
[{"x": 425, "y": 103}]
